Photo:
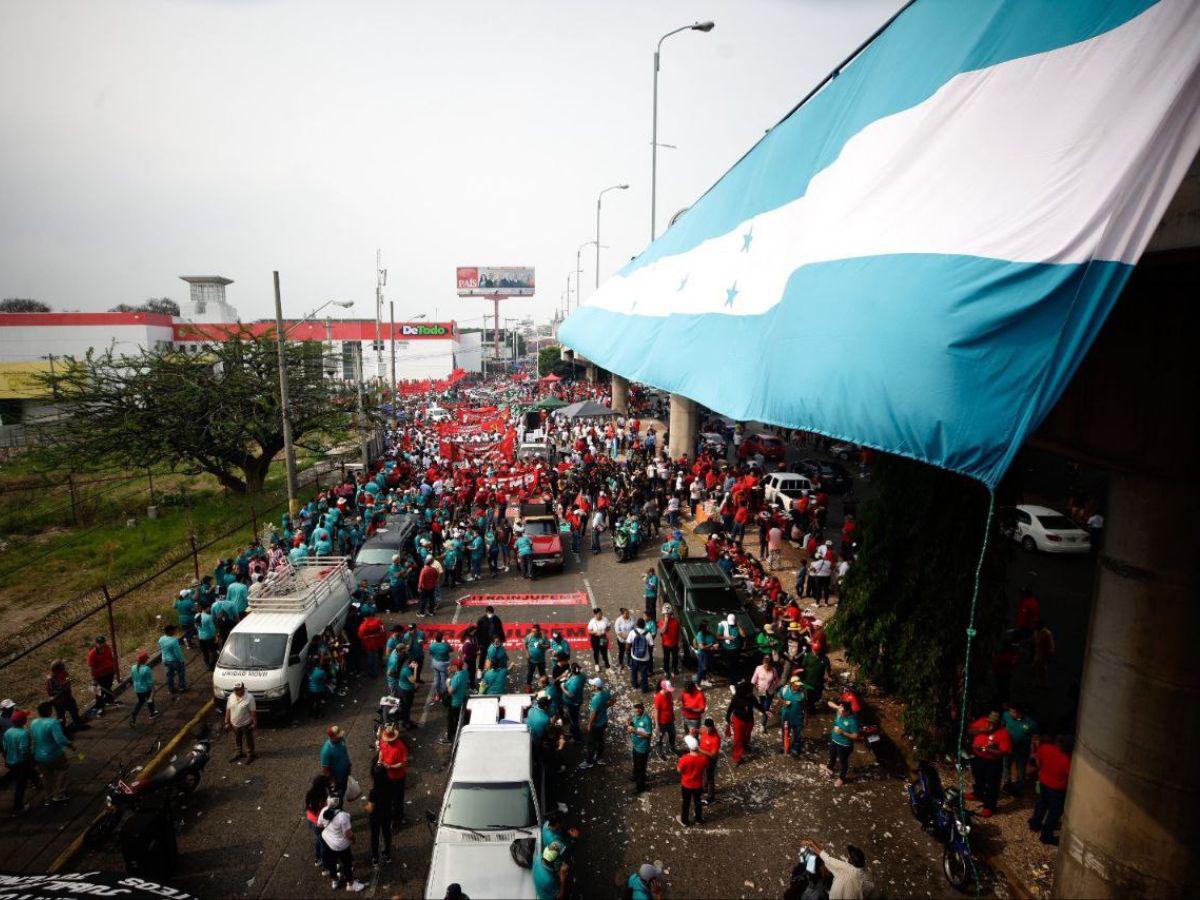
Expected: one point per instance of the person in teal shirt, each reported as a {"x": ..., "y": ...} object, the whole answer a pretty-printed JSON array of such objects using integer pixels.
[
  {"x": 559, "y": 646},
  {"x": 524, "y": 545},
  {"x": 237, "y": 597},
  {"x": 297, "y": 553},
  {"x": 493, "y": 679},
  {"x": 49, "y": 745},
  {"x": 553, "y": 691},
  {"x": 318, "y": 687},
  {"x": 497, "y": 655},
  {"x": 185, "y": 610},
  {"x": 414, "y": 641},
  {"x": 406, "y": 690},
  {"x": 791, "y": 715},
  {"x": 573, "y": 700},
  {"x": 395, "y": 662},
  {"x": 1021, "y": 728},
  {"x": 841, "y": 740},
  {"x": 476, "y": 548},
  {"x": 439, "y": 656},
  {"x": 597, "y": 722},
  {"x": 641, "y": 883},
  {"x": 172, "y": 659},
  {"x": 536, "y": 645},
  {"x": 18, "y": 756},
  {"x": 458, "y": 686},
  {"x": 730, "y": 633},
  {"x": 141, "y": 679},
  {"x": 640, "y": 727},
  {"x": 335, "y": 758},
  {"x": 550, "y": 873},
  {"x": 670, "y": 549},
  {"x": 538, "y": 720}
]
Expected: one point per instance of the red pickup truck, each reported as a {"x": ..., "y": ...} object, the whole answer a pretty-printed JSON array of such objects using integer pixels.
[{"x": 542, "y": 526}]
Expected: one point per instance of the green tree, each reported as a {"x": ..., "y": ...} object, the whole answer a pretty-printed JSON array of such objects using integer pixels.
[
  {"x": 215, "y": 410},
  {"x": 903, "y": 613},
  {"x": 22, "y": 305},
  {"x": 164, "y": 305},
  {"x": 548, "y": 358}
]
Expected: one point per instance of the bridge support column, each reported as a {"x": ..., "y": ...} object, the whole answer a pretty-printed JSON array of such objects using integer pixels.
[
  {"x": 683, "y": 427},
  {"x": 620, "y": 394}
]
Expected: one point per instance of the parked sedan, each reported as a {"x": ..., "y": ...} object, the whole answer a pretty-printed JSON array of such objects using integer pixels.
[
  {"x": 832, "y": 476},
  {"x": 1041, "y": 528}
]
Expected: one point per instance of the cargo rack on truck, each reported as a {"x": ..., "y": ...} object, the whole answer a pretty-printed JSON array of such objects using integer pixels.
[{"x": 299, "y": 585}]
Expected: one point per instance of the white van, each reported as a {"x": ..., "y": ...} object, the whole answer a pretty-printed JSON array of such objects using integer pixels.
[
  {"x": 268, "y": 649},
  {"x": 436, "y": 414},
  {"x": 783, "y": 481},
  {"x": 492, "y": 799}
]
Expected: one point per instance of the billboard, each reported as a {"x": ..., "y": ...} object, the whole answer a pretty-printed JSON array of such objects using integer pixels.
[{"x": 495, "y": 281}]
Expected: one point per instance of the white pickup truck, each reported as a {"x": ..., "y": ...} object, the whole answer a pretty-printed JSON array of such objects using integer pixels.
[{"x": 492, "y": 799}]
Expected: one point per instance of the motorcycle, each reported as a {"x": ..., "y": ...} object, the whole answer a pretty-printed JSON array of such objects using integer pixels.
[
  {"x": 872, "y": 735},
  {"x": 942, "y": 814},
  {"x": 126, "y": 792},
  {"x": 621, "y": 544}
]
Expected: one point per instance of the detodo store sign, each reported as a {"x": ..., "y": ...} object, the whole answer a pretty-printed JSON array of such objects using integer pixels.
[{"x": 424, "y": 330}]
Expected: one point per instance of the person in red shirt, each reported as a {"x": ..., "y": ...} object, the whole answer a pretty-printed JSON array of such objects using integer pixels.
[
  {"x": 693, "y": 703},
  {"x": 1053, "y": 762},
  {"x": 691, "y": 768},
  {"x": 102, "y": 663},
  {"x": 668, "y": 632},
  {"x": 664, "y": 716},
  {"x": 427, "y": 583},
  {"x": 1029, "y": 610},
  {"x": 372, "y": 635},
  {"x": 990, "y": 744},
  {"x": 393, "y": 758},
  {"x": 740, "y": 518},
  {"x": 710, "y": 746}
]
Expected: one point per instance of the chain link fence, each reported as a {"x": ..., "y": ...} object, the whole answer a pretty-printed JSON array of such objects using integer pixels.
[{"x": 132, "y": 612}]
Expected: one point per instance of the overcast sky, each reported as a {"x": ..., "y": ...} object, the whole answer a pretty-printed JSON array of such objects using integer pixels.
[{"x": 148, "y": 139}]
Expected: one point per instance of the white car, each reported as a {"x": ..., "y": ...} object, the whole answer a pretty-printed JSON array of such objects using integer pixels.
[
  {"x": 784, "y": 481},
  {"x": 492, "y": 800},
  {"x": 1041, "y": 528}
]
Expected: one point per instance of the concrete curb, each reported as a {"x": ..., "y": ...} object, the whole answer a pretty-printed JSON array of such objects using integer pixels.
[{"x": 72, "y": 850}]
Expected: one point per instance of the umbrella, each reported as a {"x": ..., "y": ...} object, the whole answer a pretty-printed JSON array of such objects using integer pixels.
[
  {"x": 709, "y": 526},
  {"x": 550, "y": 379},
  {"x": 549, "y": 403}
]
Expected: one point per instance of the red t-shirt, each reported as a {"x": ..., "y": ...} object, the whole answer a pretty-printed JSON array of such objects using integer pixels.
[
  {"x": 1054, "y": 766},
  {"x": 691, "y": 768},
  {"x": 693, "y": 704},
  {"x": 710, "y": 743},
  {"x": 1027, "y": 613},
  {"x": 391, "y": 752},
  {"x": 428, "y": 579},
  {"x": 991, "y": 745},
  {"x": 669, "y": 631},
  {"x": 664, "y": 707}
]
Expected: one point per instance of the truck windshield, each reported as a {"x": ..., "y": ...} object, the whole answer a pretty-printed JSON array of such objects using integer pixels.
[
  {"x": 494, "y": 805},
  {"x": 244, "y": 650},
  {"x": 375, "y": 556},
  {"x": 539, "y": 527}
]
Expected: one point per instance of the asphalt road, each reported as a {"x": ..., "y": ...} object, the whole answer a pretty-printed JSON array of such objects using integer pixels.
[{"x": 243, "y": 833}]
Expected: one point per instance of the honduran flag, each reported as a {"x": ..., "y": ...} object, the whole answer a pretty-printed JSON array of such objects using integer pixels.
[{"x": 918, "y": 258}]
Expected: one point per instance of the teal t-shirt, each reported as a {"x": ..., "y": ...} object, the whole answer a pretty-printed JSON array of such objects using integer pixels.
[
  {"x": 318, "y": 678},
  {"x": 16, "y": 745},
  {"x": 538, "y": 721},
  {"x": 48, "y": 740},
  {"x": 641, "y": 744},
  {"x": 238, "y": 594},
  {"x": 846, "y": 723},
  {"x": 416, "y": 640},
  {"x": 793, "y": 710},
  {"x": 599, "y": 705},
  {"x": 537, "y": 645},
  {"x": 637, "y": 888},
  {"x": 206, "y": 627},
  {"x": 439, "y": 651},
  {"x": 336, "y": 758},
  {"x": 459, "y": 685},
  {"x": 1020, "y": 730},
  {"x": 524, "y": 545},
  {"x": 560, "y": 646},
  {"x": 171, "y": 650},
  {"x": 731, "y": 638},
  {"x": 493, "y": 681},
  {"x": 574, "y": 689},
  {"x": 185, "y": 607},
  {"x": 545, "y": 880},
  {"x": 499, "y": 657},
  {"x": 142, "y": 678}
]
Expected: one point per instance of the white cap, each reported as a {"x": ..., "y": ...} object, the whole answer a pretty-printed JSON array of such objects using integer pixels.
[
  {"x": 8, "y": 703},
  {"x": 184, "y": 592},
  {"x": 596, "y": 682},
  {"x": 731, "y": 619},
  {"x": 691, "y": 743},
  {"x": 649, "y": 872}
]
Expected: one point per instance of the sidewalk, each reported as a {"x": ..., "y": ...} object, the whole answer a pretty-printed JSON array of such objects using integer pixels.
[{"x": 29, "y": 843}]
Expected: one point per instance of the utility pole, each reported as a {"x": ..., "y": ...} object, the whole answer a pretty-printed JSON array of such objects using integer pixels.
[
  {"x": 392, "y": 390},
  {"x": 380, "y": 281},
  {"x": 362, "y": 414},
  {"x": 289, "y": 451}
]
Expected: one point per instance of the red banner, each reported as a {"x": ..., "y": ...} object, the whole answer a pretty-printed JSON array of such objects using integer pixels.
[{"x": 578, "y": 598}]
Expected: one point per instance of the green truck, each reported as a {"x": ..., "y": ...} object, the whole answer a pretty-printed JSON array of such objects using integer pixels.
[{"x": 699, "y": 591}]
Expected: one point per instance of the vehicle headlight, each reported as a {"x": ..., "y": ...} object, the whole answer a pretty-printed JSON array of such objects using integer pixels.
[{"x": 274, "y": 693}]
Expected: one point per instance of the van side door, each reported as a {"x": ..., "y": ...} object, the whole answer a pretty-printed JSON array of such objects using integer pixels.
[{"x": 297, "y": 654}]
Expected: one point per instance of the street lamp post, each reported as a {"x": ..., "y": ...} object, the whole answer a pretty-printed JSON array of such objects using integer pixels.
[
  {"x": 599, "y": 197},
  {"x": 697, "y": 26},
  {"x": 289, "y": 449}
]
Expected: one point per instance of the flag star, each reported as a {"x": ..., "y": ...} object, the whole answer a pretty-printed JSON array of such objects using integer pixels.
[
  {"x": 683, "y": 283},
  {"x": 746, "y": 239},
  {"x": 730, "y": 293}
]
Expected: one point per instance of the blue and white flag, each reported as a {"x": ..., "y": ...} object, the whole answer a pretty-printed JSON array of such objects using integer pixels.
[{"x": 919, "y": 257}]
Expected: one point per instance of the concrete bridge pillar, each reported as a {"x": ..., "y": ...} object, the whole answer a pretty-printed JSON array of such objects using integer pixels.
[
  {"x": 683, "y": 427},
  {"x": 620, "y": 394}
]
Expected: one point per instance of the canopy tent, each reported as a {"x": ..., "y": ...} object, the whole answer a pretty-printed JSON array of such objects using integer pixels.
[
  {"x": 585, "y": 409},
  {"x": 549, "y": 403},
  {"x": 939, "y": 231},
  {"x": 549, "y": 379}
]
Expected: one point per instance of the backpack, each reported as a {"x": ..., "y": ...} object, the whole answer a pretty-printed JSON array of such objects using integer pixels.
[{"x": 639, "y": 648}]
